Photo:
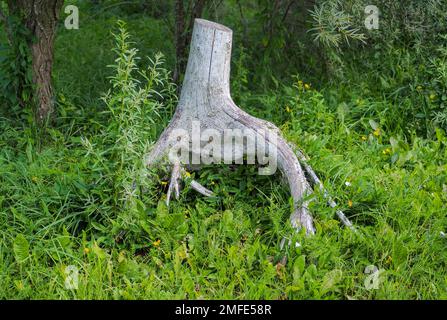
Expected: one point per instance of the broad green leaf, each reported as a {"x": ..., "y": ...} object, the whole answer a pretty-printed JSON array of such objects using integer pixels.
[
  {"x": 21, "y": 248},
  {"x": 330, "y": 279}
]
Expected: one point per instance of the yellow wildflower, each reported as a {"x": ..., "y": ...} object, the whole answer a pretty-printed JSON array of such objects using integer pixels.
[
  {"x": 163, "y": 183},
  {"x": 389, "y": 260},
  {"x": 19, "y": 285},
  {"x": 86, "y": 250},
  {"x": 377, "y": 132},
  {"x": 306, "y": 86},
  {"x": 187, "y": 174},
  {"x": 288, "y": 109},
  {"x": 156, "y": 243},
  {"x": 432, "y": 97},
  {"x": 387, "y": 151},
  {"x": 350, "y": 203},
  {"x": 364, "y": 138}
]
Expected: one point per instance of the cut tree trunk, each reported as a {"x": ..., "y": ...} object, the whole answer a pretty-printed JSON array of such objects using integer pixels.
[{"x": 205, "y": 100}]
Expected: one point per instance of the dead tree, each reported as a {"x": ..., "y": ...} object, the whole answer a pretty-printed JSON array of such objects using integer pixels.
[{"x": 205, "y": 100}]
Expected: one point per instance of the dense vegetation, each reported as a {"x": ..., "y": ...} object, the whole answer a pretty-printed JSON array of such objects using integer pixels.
[{"x": 369, "y": 107}]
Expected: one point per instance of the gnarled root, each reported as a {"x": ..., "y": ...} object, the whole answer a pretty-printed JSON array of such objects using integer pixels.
[
  {"x": 267, "y": 136},
  {"x": 205, "y": 105},
  {"x": 174, "y": 184}
]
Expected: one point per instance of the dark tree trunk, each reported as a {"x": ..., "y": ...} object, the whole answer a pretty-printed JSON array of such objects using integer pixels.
[
  {"x": 179, "y": 43},
  {"x": 40, "y": 17},
  {"x": 183, "y": 31}
]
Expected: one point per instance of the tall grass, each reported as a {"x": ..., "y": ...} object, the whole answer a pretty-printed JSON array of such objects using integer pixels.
[{"x": 85, "y": 199}]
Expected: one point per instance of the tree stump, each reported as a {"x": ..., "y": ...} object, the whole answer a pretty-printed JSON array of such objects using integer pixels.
[{"x": 205, "y": 105}]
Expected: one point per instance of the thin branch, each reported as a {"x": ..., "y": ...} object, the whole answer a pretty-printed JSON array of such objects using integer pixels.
[
  {"x": 287, "y": 11},
  {"x": 244, "y": 24},
  {"x": 326, "y": 195},
  {"x": 201, "y": 189}
]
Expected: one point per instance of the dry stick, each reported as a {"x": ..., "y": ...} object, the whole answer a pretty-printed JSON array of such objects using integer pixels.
[
  {"x": 197, "y": 186},
  {"x": 201, "y": 189},
  {"x": 318, "y": 182}
]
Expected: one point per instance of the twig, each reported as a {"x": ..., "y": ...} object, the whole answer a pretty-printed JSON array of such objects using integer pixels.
[
  {"x": 201, "y": 189},
  {"x": 326, "y": 194},
  {"x": 287, "y": 11}
]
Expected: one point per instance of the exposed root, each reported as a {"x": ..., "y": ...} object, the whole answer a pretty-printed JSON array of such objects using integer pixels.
[
  {"x": 317, "y": 181},
  {"x": 205, "y": 104},
  {"x": 201, "y": 189},
  {"x": 174, "y": 183}
]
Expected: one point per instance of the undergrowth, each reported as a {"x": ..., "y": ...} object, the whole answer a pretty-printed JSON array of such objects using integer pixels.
[{"x": 85, "y": 199}]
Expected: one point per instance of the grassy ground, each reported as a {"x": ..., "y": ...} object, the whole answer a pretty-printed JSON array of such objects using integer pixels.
[{"x": 69, "y": 202}]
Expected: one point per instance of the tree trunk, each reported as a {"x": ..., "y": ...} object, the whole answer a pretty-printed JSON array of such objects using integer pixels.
[
  {"x": 40, "y": 17},
  {"x": 183, "y": 31},
  {"x": 205, "y": 103},
  {"x": 179, "y": 35}
]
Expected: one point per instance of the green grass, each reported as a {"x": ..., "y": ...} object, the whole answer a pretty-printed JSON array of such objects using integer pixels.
[
  {"x": 228, "y": 248},
  {"x": 71, "y": 200}
]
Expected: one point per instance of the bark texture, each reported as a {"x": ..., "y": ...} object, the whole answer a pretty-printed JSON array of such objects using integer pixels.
[
  {"x": 184, "y": 21},
  {"x": 40, "y": 17},
  {"x": 205, "y": 98}
]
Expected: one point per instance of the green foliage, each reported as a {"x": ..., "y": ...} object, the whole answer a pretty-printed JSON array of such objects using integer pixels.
[
  {"x": 136, "y": 101},
  {"x": 69, "y": 203},
  {"x": 81, "y": 77},
  {"x": 16, "y": 88},
  {"x": 21, "y": 248},
  {"x": 375, "y": 135},
  {"x": 402, "y": 61},
  {"x": 332, "y": 25},
  {"x": 327, "y": 42}
]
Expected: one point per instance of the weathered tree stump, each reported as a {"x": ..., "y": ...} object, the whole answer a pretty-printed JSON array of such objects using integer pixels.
[{"x": 205, "y": 104}]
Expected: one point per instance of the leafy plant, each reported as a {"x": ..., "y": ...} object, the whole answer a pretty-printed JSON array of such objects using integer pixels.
[
  {"x": 16, "y": 86},
  {"x": 21, "y": 248},
  {"x": 135, "y": 103}
]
